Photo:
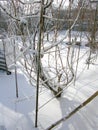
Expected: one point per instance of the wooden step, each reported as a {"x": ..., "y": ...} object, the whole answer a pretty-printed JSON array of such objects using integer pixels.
[{"x": 3, "y": 65}]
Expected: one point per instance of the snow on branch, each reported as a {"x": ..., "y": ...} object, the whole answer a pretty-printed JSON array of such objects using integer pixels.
[
  {"x": 48, "y": 4},
  {"x": 34, "y": 2},
  {"x": 55, "y": 19}
]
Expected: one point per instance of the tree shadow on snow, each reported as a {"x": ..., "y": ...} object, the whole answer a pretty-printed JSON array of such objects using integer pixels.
[{"x": 77, "y": 121}]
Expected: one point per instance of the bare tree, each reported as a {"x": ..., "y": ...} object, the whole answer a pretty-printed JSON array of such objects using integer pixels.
[{"x": 54, "y": 58}]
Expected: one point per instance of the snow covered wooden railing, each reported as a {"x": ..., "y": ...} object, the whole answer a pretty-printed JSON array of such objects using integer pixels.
[{"x": 74, "y": 111}]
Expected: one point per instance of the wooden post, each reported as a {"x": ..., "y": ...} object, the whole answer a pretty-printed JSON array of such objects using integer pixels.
[
  {"x": 38, "y": 59},
  {"x": 16, "y": 83}
]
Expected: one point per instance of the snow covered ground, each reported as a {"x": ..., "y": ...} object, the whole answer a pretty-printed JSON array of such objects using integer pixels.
[
  {"x": 13, "y": 111},
  {"x": 84, "y": 119},
  {"x": 19, "y": 113}
]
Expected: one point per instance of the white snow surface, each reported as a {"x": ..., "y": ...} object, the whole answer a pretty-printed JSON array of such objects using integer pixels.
[{"x": 19, "y": 113}]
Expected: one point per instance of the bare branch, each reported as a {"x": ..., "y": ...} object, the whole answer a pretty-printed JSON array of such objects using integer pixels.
[{"x": 9, "y": 13}]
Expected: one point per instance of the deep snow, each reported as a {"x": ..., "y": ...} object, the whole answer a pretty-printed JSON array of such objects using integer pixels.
[{"x": 18, "y": 114}]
